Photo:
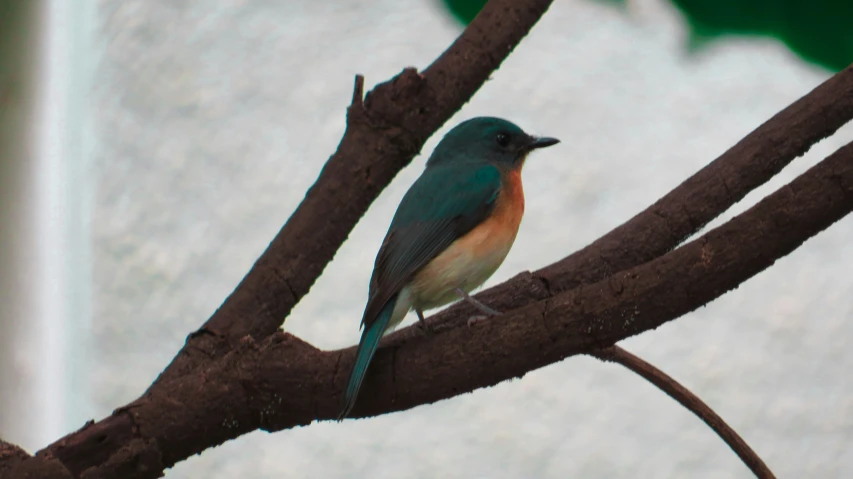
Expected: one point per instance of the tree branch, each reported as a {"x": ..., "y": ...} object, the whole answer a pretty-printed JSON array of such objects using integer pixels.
[
  {"x": 383, "y": 134},
  {"x": 689, "y": 207},
  {"x": 284, "y": 382},
  {"x": 15, "y": 463},
  {"x": 421, "y": 370},
  {"x": 242, "y": 382},
  {"x": 693, "y": 403}
]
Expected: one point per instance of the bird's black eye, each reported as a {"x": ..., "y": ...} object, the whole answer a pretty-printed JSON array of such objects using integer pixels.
[{"x": 502, "y": 139}]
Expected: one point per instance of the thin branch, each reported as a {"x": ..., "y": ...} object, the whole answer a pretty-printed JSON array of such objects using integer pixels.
[
  {"x": 690, "y": 401},
  {"x": 284, "y": 382},
  {"x": 383, "y": 134}
]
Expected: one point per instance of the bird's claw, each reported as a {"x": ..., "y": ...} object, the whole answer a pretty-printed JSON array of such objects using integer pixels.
[{"x": 473, "y": 320}]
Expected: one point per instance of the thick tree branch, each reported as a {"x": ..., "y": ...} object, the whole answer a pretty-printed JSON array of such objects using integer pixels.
[
  {"x": 119, "y": 440},
  {"x": 384, "y": 132},
  {"x": 422, "y": 370},
  {"x": 712, "y": 190},
  {"x": 15, "y": 463},
  {"x": 691, "y": 402},
  {"x": 284, "y": 382},
  {"x": 689, "y": 207}
]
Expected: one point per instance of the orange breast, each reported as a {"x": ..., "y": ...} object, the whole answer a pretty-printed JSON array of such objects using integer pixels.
[
  {"x": 469, "y": 261},
  {"x": 498, "y": 231}
]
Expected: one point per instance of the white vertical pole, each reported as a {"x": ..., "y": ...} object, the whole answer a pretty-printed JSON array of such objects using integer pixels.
[
  {"x": 79, "y": 193},
  {"x": 42, "y": 241},
  {"x": 50, "y": 188}
]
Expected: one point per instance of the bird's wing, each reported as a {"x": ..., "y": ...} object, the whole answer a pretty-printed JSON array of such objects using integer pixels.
[{"x": 444, "y": 204}]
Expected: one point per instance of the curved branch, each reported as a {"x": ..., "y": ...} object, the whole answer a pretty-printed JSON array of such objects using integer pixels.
[
  {"x": 691, "y": 402},
  {"x": 284, "y": 382},
  {"x": 384, "y": 132}
]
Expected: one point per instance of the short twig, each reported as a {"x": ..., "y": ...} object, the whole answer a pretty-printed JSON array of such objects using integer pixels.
[
  {"x": 358, "y": 90},
  {"x": 692, "y": 402}
]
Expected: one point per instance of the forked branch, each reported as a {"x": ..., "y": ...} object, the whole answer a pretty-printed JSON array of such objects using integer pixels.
[
  {"x": 384, "y": 132},
  {"x": 252, "y": 377},
  {"x": 284, "y": 382}
]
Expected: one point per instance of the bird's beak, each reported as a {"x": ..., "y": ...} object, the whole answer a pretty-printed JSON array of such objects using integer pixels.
[{"x": 541, "y": 142}]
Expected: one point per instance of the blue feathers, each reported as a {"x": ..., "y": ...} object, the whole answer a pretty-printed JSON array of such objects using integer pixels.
[
  {"x": 458, "y": 190},
  {"x": 366, "y": 349}
]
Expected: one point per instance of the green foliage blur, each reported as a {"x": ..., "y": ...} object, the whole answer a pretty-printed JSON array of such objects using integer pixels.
[{"x": 819, "y": 31}]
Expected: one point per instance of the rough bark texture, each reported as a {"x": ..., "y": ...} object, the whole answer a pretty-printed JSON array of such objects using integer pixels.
[
  {"x": 16, "y": 463},
  {"x": 383, "y": 134},
  {"x": 284, "y": 382},
  {"x": 238, "y": 373},
  {"x": 689, "y": 207}
]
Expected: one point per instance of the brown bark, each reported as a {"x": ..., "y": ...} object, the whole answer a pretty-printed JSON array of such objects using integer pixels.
[
  {"x": 690, "y": 206},
  {"x": 15, "y": 462},
  {"x": 237, "y": 374},
  {"x": 284, "y": 382},
  {"x": 384, "y": 132}
]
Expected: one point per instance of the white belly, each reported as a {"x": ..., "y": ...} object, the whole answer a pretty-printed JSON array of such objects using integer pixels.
[
  {"x": 469, "y": 261},
  {"x": 466, "y": 264}
]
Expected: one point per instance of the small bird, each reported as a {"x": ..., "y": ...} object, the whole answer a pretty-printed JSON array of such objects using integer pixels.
[{"x": 451, "y": 232}]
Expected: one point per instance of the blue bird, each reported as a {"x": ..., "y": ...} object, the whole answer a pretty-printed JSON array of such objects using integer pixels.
[{"x": 451, "y": 232}]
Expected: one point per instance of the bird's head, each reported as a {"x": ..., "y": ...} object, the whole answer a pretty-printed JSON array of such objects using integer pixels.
[{"x": 487, "y": 139}]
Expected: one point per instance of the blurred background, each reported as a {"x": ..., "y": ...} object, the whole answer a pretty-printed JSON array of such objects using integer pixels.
[{"x": 150, "y": 149}]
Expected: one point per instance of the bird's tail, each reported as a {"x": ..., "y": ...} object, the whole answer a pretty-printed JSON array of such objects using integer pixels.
[{"x": 366, "y": 349}]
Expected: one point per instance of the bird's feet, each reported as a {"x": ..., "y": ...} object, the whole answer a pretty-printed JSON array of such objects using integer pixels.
[
  {"x": 427, "y": 329},
  {"x": 474, "y": 320},
  {"x": 489, "y": 312},
  {"x": 473, "y": 302}
]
